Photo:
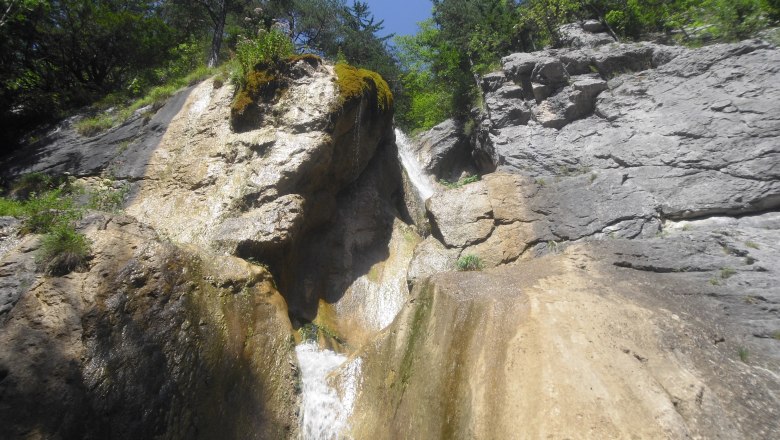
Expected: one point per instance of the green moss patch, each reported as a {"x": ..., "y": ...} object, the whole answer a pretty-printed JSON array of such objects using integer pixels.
[
  {"x": 263, "y": 84},
  {"x": 356, "y": 84}
]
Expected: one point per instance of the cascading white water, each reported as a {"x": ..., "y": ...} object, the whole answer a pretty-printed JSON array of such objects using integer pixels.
[
  {"x": 419, "y": 179},
  {"x": 327, "y": 400}
]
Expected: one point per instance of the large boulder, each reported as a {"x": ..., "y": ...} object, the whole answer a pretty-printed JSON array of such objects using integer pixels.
[
  {"x": 443, "y": 151},
  {"x": 151, "y": 341}
]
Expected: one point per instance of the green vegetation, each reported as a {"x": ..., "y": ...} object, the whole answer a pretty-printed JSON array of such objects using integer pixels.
[
  {"x": 727, "y": 272},
  {"x": 743, "y": 354},
  {"x": 268, "y": 48},
  {"x": 714, "y": 281},
  {"x": 156, "y": 97},
  {"x": 355, "y": 83},
  {"x": 63, "y": 250},
  {"x": 752, "y": 244},
  {"x": 311, "y": 332},
  {"x": 470, "y": 263},
  {"x": 51, "y": 213},
  {"x": 47, "y": 205},
  {"x": 109, "y": 196},
  {"x": 776, "y": 335},
  {"x": 462, "y": 182},
  {"x": 120, "y": 56}
]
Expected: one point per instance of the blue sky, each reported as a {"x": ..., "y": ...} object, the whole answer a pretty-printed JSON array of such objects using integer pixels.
[{"x": 400, "y": 16}]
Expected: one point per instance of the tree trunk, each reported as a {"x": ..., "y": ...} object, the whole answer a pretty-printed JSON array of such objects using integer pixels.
[{"x": 219, "y": 29}]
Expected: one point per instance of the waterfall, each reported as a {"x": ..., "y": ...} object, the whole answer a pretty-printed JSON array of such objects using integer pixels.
[
  {"x": 416, "y": 174},
  {"x": 330, "y": 386}
]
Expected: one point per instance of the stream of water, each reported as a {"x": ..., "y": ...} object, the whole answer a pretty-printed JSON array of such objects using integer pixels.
[
  {"x": 330, "y": 380},
  {"x": 327, "y": 398},
  {"x": 420, "y": 180}
]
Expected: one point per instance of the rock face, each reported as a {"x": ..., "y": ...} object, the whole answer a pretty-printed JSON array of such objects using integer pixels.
[
  {"x": 260, "y": 193},
  {"x": 477, "y": 355},
  {"x": 627, "y": 215},
  {"x": 664, "y": 138},
  {"x": 153, "y": 341},
  {"x": 444, "y": 151},
  {"x": 172, "y": 333},
  {"x": 122, "y": 151}
]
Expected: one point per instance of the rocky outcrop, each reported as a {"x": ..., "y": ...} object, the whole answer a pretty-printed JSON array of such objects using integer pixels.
[
  {"x": 153, "y": 341},
  {"x": 444, "y": 151},
  {"x": 261, "y": 192},
  {"x": 477, "y": 355},
  {"x": 666, "y": 134},
  {"x": 122, "y": 151},
  {"x": 168, "y": 334},
  {"x": 627, "y": 215}
]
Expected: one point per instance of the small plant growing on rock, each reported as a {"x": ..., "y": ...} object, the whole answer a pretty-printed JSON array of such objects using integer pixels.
[
  {"x": 776, "y": 335},
  {"x": 63, "y": 250},
  {"x": 743, "y": 354},
  {"x": 714, "y": 282},
  {"x": 752, "y": 244},
  {"x": 470, "y": 263},
  {"x": 727, "y": 273},
  {"x": 460, "y": 183}
]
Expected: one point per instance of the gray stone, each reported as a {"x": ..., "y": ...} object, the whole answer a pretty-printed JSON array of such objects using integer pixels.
[
  {"x": 457, "y": 224},
  {"x": 262, "y": 233},
  {"x": 592, "y": 26},
  {"x": 443, "y": 150},
  {"x": 664, "y": 135},
  {"x": 584, "y": 35}
]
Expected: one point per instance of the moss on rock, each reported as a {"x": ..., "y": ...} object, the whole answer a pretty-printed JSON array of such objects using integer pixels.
[
  {"x": 355, "y": 83},
  {"x": 262, "y": 85}
]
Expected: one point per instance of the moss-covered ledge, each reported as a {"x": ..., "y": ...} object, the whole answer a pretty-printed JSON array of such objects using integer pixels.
[{"x": 356, "y": 84}]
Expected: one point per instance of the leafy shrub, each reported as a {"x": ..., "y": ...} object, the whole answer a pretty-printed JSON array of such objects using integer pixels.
[
  {"x": 44, "y": 212},
  {"x": 470, "y": 263},
  {"x": 108, "y": 197},
  {"x": 63, "y": 250},
  {"x": 269, "y": 47}
]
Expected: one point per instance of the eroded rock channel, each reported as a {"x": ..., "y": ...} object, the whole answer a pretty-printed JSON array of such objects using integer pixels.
[{"x": 297, "y": 279}]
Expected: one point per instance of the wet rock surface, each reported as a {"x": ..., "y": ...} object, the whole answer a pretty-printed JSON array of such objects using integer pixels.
[
  {"x": 152, "y": 341},
  {"x": 628, "y": 212},
  {"x": 611, "y": 351}
]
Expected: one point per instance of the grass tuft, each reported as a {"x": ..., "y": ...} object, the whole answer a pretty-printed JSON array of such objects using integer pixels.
[
  {"x": 743, "y": 354},
  {"x": 470, "y": 263},
  {"x": 462, "y": 182},
  {"x": 727, "y": 272},
  {"x": 63, "y": 250}
]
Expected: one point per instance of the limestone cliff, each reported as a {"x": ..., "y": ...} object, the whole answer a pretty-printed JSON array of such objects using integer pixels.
[
  {"x": 177, "y": 328},
  {"x": 628, "y": 204},
  {"x": 626, "y": 218}
]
